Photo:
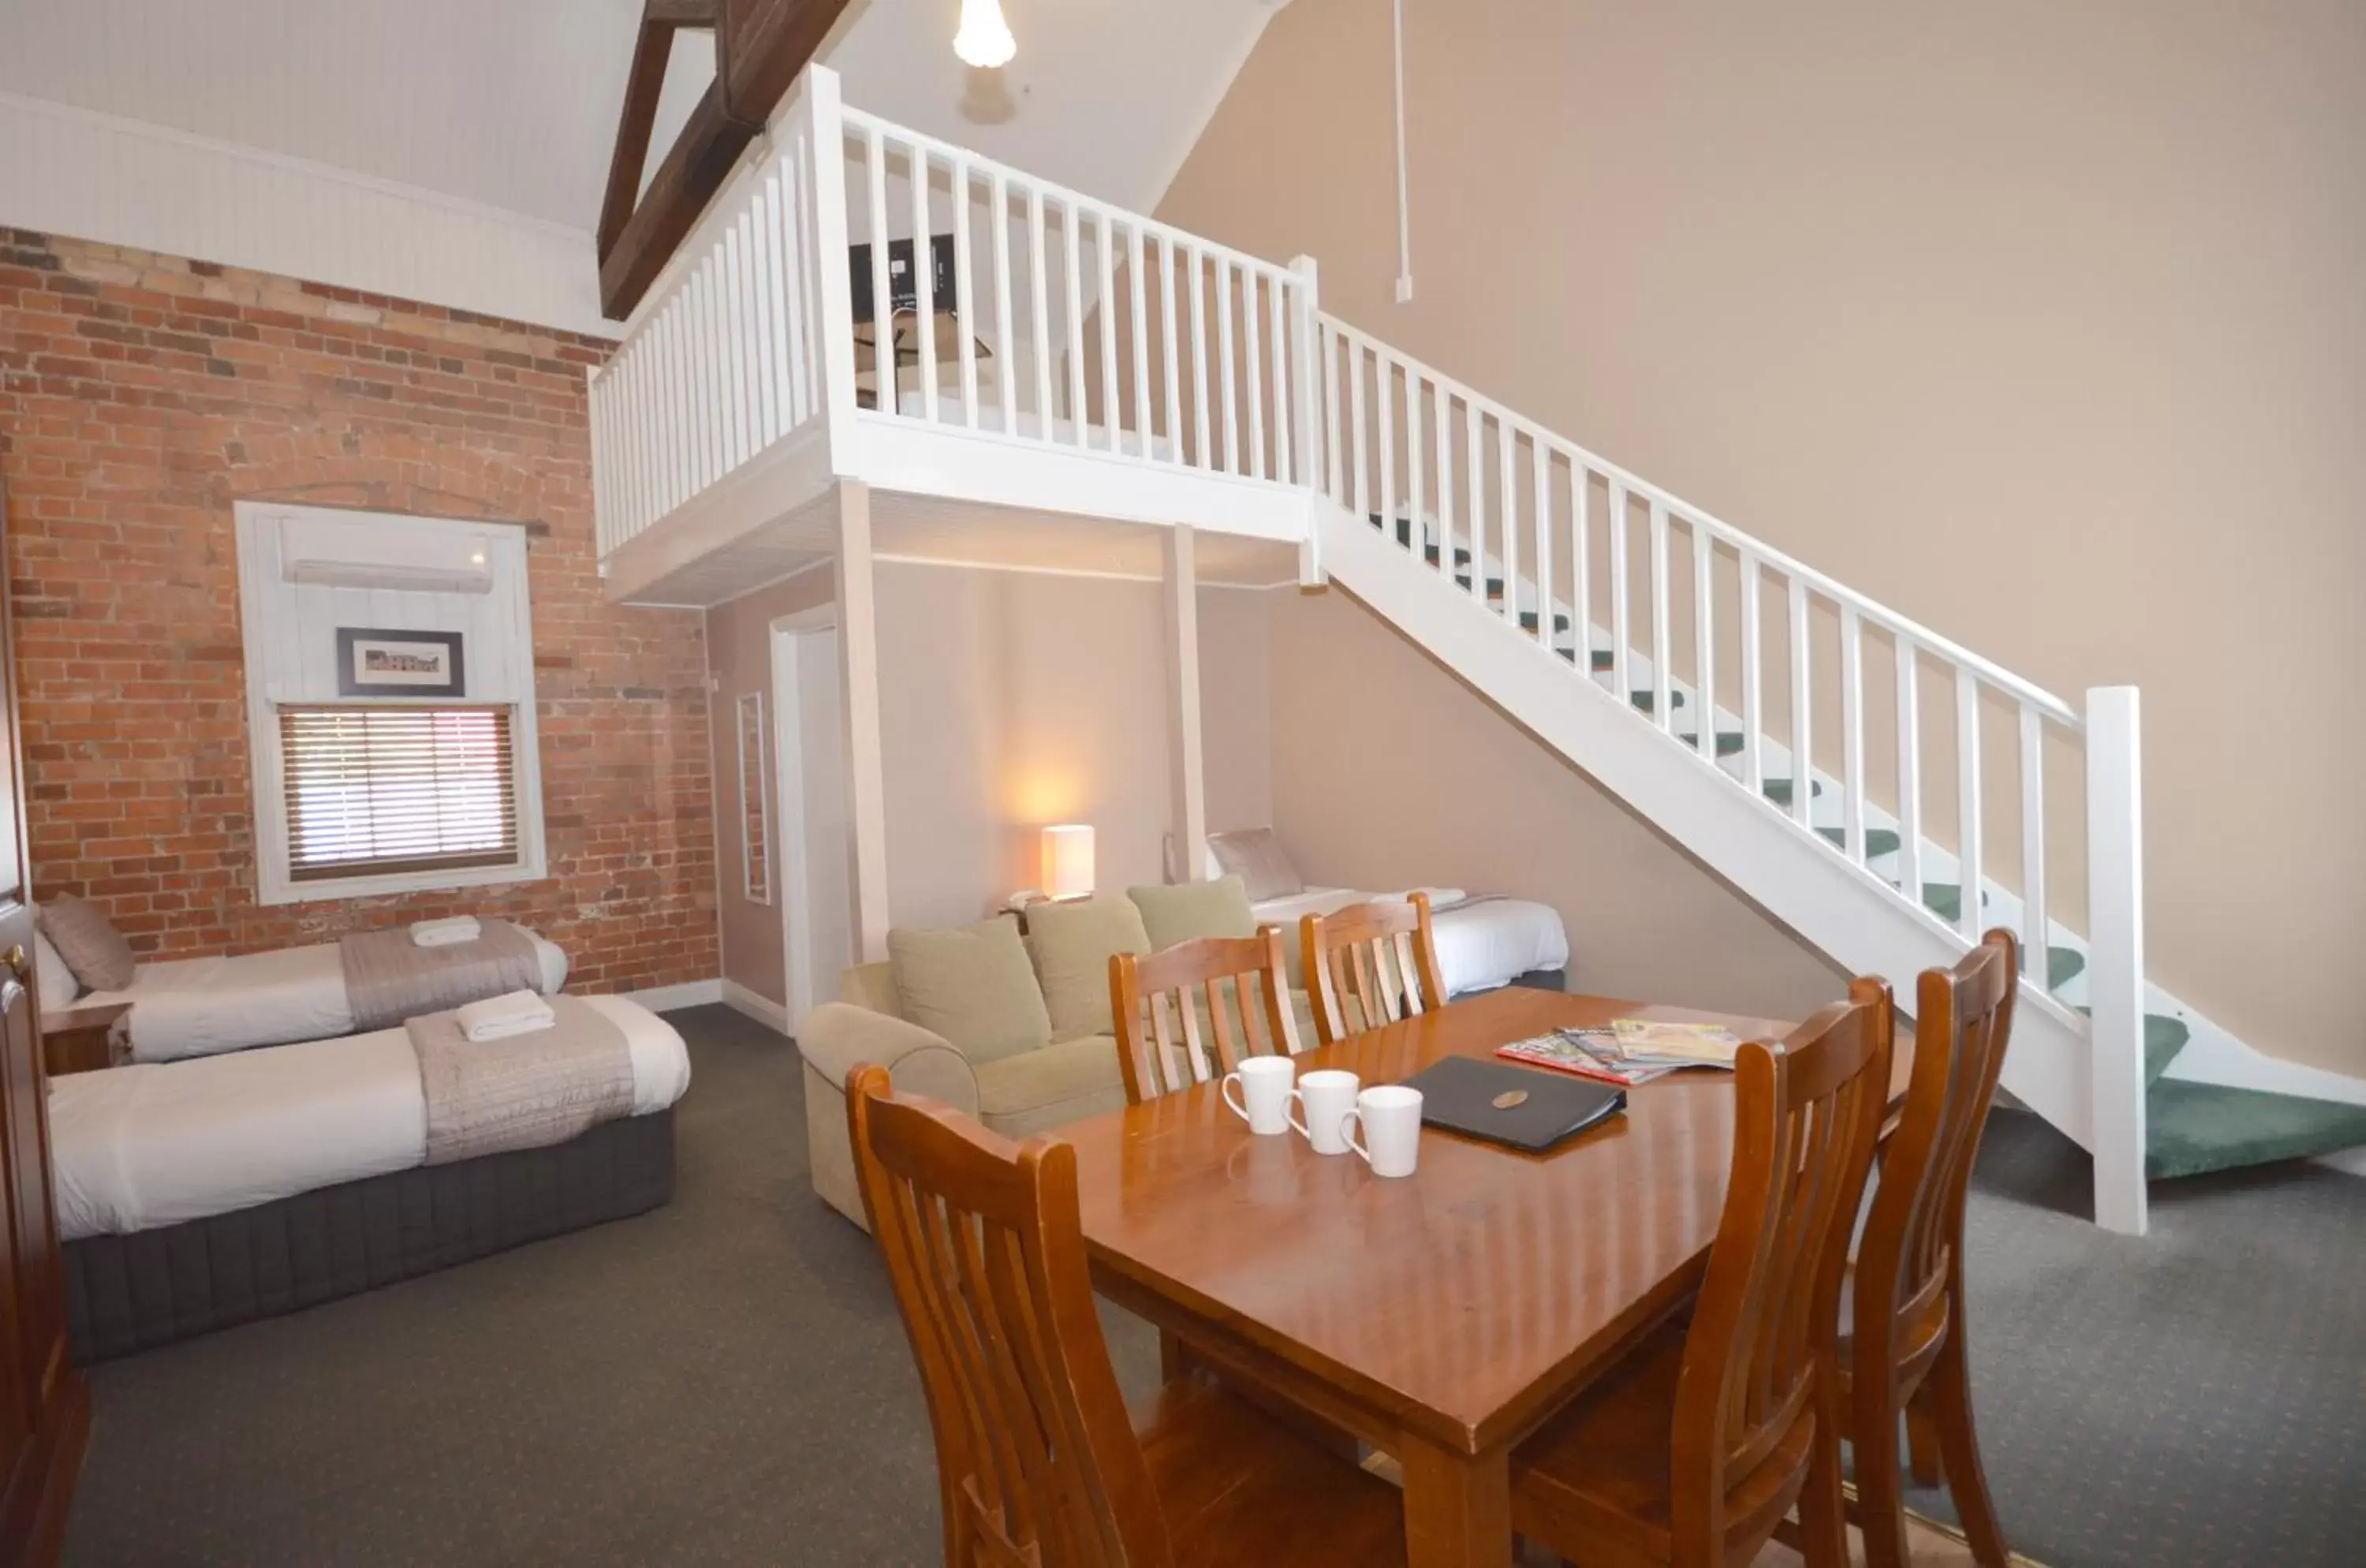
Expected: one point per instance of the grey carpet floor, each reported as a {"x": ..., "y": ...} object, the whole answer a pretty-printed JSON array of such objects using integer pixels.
[{"x": 725, "y": 1381}]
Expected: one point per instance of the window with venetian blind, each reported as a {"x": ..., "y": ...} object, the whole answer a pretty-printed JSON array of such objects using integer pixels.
[{"x": 383, "y": 789}]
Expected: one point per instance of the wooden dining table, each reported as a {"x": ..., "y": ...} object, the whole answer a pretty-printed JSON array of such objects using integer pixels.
[{"x": 1441, "y": 1317}]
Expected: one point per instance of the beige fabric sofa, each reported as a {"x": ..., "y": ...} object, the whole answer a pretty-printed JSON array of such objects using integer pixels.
[{"x": 1016, "y": 1094}]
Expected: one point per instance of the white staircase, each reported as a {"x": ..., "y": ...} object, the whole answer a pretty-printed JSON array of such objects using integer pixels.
[{"x": 1884, "y": 793}]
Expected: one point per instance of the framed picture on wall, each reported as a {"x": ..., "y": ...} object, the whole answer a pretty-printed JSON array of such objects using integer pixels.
[{"x": 374, "y": 662}]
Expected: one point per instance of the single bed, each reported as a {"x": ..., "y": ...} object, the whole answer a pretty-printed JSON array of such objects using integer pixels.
[
  {"x": 199, "y": 1007},
  {"x": 195, "y": 1194},
  {"x": 1484, "y": 940}
]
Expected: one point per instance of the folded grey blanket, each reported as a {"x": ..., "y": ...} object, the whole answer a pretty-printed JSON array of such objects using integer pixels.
[
  {"x": 528, "y": 1091},
  {"x": 388, "y": 977}
]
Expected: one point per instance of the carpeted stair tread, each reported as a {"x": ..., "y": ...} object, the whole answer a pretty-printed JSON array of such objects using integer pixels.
[
  {"x": 1877, "y": 841},
  {"x": 1728, "y": 742},
  {"x": 1779, "y": 791},
  {"x": 1528, "y": 621},
  {"x": 2193, "y": 1128},
  {"x": 1649, "y": 701},
  {"x": 1945, "y": 899},
  {"x": 1602, "y": 661},
  {"x": 2064, "y": 964},
  {"x": 1495, "y": 584},
  {"x": 2164, "y": 1038}
]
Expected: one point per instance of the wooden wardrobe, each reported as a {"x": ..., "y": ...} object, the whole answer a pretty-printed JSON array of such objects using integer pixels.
[{"x": 44, "y": 1403}]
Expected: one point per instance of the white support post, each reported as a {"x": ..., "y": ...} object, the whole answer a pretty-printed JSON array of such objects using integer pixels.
[
  {"x": 866, "y": 787},
  {"x": 1187, "y": 786},
  {"x": 2115, "y": 963},
  {"x": 1307, "y": 367},
  {"x": 825, "y": 140}
]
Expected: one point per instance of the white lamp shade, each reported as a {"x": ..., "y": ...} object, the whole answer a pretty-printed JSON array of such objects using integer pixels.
[
  {"x": 984, "y": 37},
  {"x": 1068, "y": 860}
]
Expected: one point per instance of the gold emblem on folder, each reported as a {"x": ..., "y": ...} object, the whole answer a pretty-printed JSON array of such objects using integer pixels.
[{"x": 1511, "y": 1097}]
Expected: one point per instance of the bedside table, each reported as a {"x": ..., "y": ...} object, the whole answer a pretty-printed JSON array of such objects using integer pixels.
[{"x": 75, "y": 1040}]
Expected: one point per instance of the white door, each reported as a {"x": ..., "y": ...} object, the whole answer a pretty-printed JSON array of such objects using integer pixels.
[{"x": 816, "y": 842}]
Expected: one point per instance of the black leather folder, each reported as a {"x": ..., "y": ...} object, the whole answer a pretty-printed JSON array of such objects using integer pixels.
[{"x": 1524, "y": 1108}]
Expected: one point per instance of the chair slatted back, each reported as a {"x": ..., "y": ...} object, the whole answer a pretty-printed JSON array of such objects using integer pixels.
[
  {"x": 1370, "y": 965},
  {"x": 1037, "y": 1463},
  {"x": 1963, "y": 1023},
  {"x": 1217, "y": 997},
  {"x": 1806, "y": 1115}
]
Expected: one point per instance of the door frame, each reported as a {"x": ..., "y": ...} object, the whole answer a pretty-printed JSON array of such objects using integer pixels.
[{"x": 796, "y": 894}]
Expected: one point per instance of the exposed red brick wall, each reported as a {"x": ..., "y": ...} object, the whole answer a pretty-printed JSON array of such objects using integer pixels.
[{"x": 140, "y": 396}]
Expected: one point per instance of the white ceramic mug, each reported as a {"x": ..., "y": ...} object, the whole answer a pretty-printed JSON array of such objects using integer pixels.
[
  {"x": 1264, "y": 1084},
  {"x": 1326, "y": 1096},
  {"x": 1390, "y": 1118}
]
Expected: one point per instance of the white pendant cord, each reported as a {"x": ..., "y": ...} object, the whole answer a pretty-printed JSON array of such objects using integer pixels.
[{"x": 1404, "y": 178}]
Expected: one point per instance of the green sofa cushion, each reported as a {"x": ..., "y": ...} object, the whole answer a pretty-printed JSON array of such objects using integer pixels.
[
  {"x": 1194, "y": 909},
  {"x": 973, "y": 986},
  {"x": 1072, "y": 943}
]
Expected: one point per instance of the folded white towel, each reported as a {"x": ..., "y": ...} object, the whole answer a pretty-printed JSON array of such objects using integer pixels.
[
  {"x": 497, "y": 1018},
  {"x": 443, "y": 933}
]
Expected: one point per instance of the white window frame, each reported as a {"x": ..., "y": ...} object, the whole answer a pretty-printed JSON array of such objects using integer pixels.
[{"x": 267, "y": 690}]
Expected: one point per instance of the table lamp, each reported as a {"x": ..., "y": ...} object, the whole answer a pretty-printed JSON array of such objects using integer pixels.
[{"x": 1068, "y": 860}]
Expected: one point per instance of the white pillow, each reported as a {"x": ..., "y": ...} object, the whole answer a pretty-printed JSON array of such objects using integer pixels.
[{"x": 56, "y": 983}]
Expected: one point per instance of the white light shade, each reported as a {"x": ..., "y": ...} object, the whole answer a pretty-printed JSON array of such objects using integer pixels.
[
  {"x": 984, "y": 39},
  {"x": 1068, "y": 860}
]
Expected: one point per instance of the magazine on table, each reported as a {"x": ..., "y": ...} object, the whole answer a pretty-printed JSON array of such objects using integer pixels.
[{"x": 1629, "y": 1059}]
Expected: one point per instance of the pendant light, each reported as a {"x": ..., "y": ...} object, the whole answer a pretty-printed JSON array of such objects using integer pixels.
[{"x": 984, "y": 37}]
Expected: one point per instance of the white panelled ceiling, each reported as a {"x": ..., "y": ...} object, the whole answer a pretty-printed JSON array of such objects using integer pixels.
[{"x": 513, "y": 103}]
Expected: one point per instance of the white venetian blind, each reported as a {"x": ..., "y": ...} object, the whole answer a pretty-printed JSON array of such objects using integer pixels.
[{"x": 374, "y": 789}]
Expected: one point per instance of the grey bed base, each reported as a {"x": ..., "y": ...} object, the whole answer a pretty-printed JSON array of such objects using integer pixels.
[{"x": 132, "y": 1293}]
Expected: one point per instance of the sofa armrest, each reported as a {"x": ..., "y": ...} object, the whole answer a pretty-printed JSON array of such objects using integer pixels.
[{"x": 838, "y": 1037}]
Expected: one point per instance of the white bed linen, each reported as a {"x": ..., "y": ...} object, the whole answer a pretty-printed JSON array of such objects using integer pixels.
[
  {"x": 196, "y": 1007},
  {"x": 155, "y": 1144},
  {"x": 1479, "y": 948}
]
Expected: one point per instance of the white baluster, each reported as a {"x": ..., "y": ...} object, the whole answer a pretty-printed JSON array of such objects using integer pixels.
[
  {"x": 1202, "y": 444},
  {"x": 964, "y": 304},
  {"x": 1622, "y": 677},
  {"x": 1474, "y": 431},
  {"x": 1334, "y": 412},
  {"x": 1446, "y": 545},
  {"x": 1356, "y": 416},
  {"x": 886, "y": 380},
  {"x": 1803, "y": 736},
  {"x": 1507, "y": 483},
  {"x": 1544, "y": 539},
  {"x": 924, "y": 284},
  {"x": 1663, "y": 683},
  {"x": 2034, "y": 936},
  {"x": 730, "y": 260},
  {"x": 1910, "y": 772},
  {"x": 1416, "y": 469},
  {"x": 1277, "y": 346},
  {"x": 1039, "y": 283},
  {"x": 1967, "y": 799},
  {"x": 1225, "y": 351},
  {"x": 1581, "y": 565},
  {"x": 1072, "y": 222},
  {"x": 1852, "y": 734},
  {"x": 771, "y": 336},
  {"x": 1171, "y": 347},
  {"x": 1105, "y": 249},
  {"x": 1253, "y": 361},
  {"x": 1703, "y": 639},
  {"x": 1141, "y": 299},
  {"x": 1004, "y": 382},
  {"x": 1753, "y": 675},
  {"x": 1384, "y": 395}
]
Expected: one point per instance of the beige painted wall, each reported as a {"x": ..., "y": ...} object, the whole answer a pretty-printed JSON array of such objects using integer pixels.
[
  {"x": 1008, "y": 701},
  {"x": 2041, "y": 323}
]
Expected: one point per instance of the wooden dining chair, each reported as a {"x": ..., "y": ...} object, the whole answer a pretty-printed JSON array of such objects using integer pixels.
[
  {"x": 1039, "y": 1464},
  {"x": 1237, "y": 987},
  {"x": 1905, "y": 1352},
  {"x": 1689, "y": 1452},
  {"x": 1380, "y": 958}
]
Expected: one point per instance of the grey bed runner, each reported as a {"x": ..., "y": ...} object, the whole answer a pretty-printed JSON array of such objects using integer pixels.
[
  {"x": 390, "y": 978},
  {"x": 524, "y": 1092}
]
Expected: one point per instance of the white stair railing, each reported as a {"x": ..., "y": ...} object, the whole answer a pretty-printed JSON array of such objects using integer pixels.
[
  {"x": 1491, "y": 501},
  {"x": 1091, "y": 327}
]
